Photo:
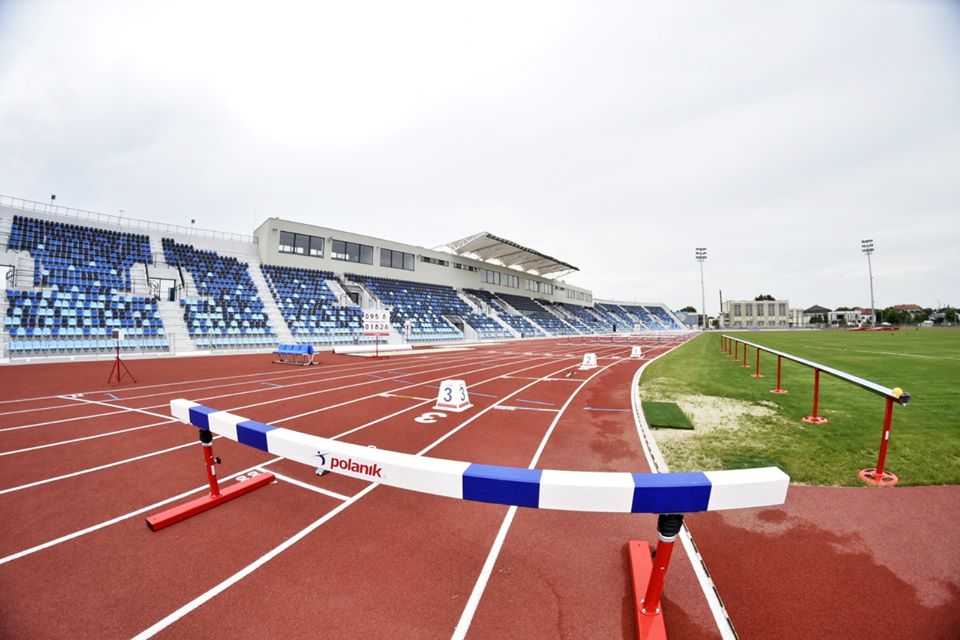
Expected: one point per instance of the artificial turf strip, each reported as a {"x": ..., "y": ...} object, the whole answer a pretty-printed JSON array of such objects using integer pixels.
[{"x": 666, "y": 415}]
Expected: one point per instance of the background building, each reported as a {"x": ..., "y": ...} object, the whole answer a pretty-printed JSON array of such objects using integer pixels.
[{"x": 756, "y": 314}]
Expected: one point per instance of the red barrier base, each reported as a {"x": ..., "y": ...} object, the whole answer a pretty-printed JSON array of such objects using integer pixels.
[
  {"x": 757, "y": 375},
  {"x": 641, "y": 564},
  {"x": 199, "y": 505},
  {"x": 815, "y": 420},
  {"x": 886, "y": 479},
  {"x": 778, "y": 391}
]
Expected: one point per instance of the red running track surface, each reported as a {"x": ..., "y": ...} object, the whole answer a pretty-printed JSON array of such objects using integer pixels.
[{"x": 390, "y": 563}]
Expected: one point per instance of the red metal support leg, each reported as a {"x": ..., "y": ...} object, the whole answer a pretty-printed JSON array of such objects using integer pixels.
[
  {"x": 779, "y": 388},
  {"x": 736, "y": 351},
  {"x": 216, "y": 497},
  {"x": 757, "y": 373},
  {"x": 744, "y": 365},
  {"x": 878, "y": 476},
  {"x": 211, "y": 466},
  {"x": 815, "y": 418},
  {"x": 648, "y": 576}
]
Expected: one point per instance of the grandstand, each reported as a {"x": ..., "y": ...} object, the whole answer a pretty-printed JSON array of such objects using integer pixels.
[
  {"x": 76, "y": 277},
  {"x": 81, "y": 291},
  {"x": 310, "y": 307},
  {"x": 228, "y": 310}
]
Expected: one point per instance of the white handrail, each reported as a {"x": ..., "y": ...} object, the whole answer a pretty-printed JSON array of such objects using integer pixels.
[{"x": 122, "y": 221}]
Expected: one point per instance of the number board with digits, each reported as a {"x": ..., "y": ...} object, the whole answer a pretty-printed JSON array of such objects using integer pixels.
[{"x": 376, "y": 322}]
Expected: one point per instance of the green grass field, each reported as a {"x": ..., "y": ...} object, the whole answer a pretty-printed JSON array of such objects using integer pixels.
[{"x": 739, "y": 423}]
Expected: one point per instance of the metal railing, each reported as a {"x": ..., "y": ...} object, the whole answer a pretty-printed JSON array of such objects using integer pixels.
[
  {"x": 877, "y": 476},
  {"x": 121, "y": 221}
]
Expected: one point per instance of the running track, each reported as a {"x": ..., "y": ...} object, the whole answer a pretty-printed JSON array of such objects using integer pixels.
[{"x": 334, "y": 556}]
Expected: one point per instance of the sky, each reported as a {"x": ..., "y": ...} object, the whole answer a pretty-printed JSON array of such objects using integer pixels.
[{"x": 616, "y": 136}]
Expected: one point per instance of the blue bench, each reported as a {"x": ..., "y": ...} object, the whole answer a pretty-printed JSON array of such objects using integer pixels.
[{"x": 301, "y": 354}]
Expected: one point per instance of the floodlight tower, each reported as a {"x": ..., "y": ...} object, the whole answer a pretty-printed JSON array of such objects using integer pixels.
[
  {"x": 701, "y": 256},
  {"x": 866, "y": 246}
]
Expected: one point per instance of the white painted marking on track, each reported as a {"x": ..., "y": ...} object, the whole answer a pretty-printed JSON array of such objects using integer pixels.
[
  {"x": 117, "y": 406},
  {"x": 250, "y": 568},
  {"x": 306, "y": 485},
  {"x": 100, "y": 468},
  {"x": 84, "y": 438}
]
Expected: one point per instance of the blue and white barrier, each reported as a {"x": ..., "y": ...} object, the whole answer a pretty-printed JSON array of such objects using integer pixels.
[{"x": 536, "y": 488}]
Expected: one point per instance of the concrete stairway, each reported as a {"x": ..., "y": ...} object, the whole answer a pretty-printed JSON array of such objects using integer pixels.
[{"x": 284, "y": 336}]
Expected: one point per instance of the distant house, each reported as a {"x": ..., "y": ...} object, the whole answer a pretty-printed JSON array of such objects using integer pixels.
[{"x": 816, "y": 311}]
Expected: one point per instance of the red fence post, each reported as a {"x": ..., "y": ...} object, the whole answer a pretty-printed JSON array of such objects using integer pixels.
[
  {"x": 878, "y": 476},
  {"x": 757, "y": 373},
  {"x": 815, "y": 418},
  {"x": 744, "y": 365},
  {"x": 779, "y": 388},
  {"x": 736, "y": 350}
]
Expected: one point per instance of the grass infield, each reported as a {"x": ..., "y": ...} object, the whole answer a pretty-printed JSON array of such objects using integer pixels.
[
  {"x": 741, "y": 424},
  {"x": 667, "y": 415}
]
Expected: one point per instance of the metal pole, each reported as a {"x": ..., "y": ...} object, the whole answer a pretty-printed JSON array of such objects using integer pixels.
[
  {"x": 873, "y": 309},
  {"x": 206, "y": 442},
  {"x": 701, "y": 254},
  {"x": 779, "y": 388},
  {"x": 668, "y": 526},
  {"x": 887, "y": 419}
]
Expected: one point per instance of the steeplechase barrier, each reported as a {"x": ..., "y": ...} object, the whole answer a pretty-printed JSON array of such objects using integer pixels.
[
  {"x": 877, "y": 475},
  {"x": 668, "y": 494}
]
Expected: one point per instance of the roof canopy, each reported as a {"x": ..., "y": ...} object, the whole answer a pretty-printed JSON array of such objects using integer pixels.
[{"x": 490, "y": 248}]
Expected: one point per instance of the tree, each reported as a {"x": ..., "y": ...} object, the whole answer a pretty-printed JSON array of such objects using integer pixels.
[
  {"x": 689, "y": 309},
  {"x": 763, "y": 297},
  {"x": 891, "y": 315}
]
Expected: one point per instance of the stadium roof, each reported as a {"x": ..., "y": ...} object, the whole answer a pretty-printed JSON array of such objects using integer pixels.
[{"x": 496, "y": 250}]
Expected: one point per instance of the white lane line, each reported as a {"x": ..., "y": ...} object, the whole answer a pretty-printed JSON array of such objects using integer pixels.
[
  {"x": 61, "y": 421},
  {"x": 658, "y": 464},
  {"x": 84, "y": 438},
  {"x": 117, "y": 406},
  {"x": 306, "y": 485},
  {"x": 160, "y": 625},
  {"x": 466, "y": 617},
  {"x": 511, "y": 408},
  {"x": 112, "y": 521},
  {"x": 100, "y": 468}
]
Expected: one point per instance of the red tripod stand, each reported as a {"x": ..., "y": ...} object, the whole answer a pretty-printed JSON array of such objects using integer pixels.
[{"x": 119, "y": 368}]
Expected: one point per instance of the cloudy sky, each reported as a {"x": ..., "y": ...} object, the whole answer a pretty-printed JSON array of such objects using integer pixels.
[{"x": 614, "y": 136}]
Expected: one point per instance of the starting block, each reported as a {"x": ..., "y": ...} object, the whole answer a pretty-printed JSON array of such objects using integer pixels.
[
  {"x": 589, "y": 361},
  {"x": 453, "y": 396},
  {"x": 636, "y": 351}
]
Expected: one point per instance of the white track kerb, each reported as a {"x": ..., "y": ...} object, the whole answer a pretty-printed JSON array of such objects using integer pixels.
[{"x": 534, "y": 488}]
